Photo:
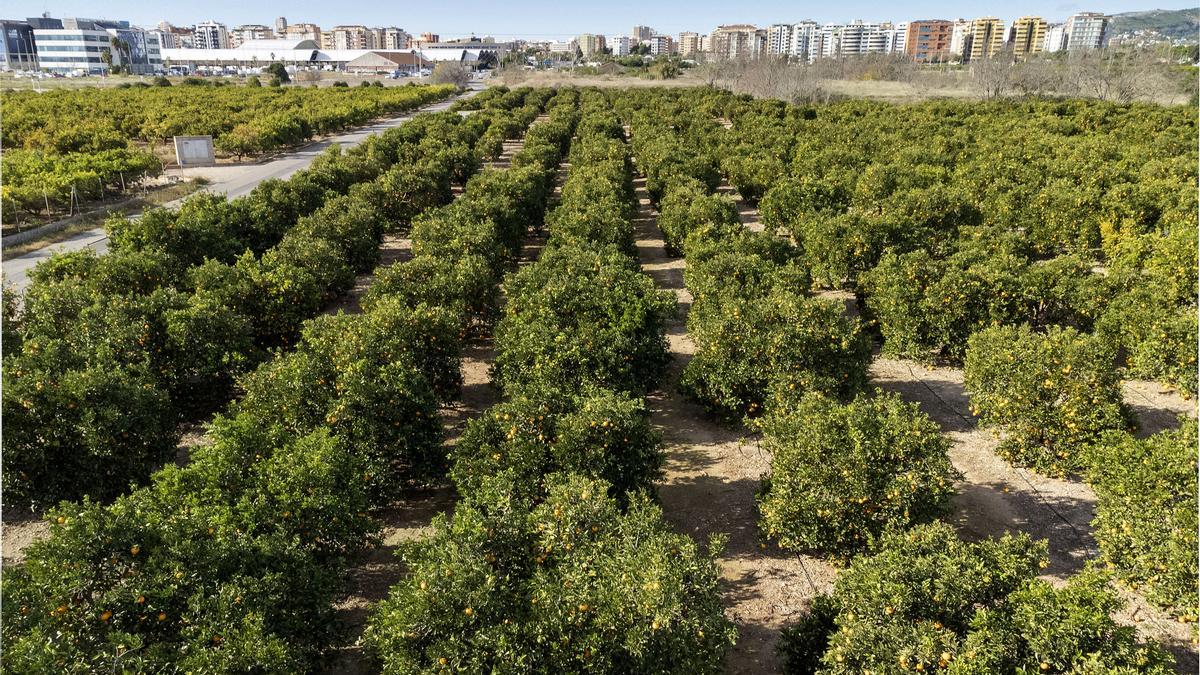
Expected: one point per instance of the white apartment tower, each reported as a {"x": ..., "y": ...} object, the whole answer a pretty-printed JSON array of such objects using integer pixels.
[
  {"x": 619, "y": 44},
  {"x": 779, "y": 39},
  {"x": 210, "y": 35},
  {"x": 1086, "y": 30},
  {"x": 1056, "y": 38}
]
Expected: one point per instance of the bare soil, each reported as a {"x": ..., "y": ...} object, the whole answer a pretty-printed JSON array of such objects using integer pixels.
[
  {"x": 711, "y": 477},
  {"x": 410, "y": 517},
  {"x": 713, "y": 472}
]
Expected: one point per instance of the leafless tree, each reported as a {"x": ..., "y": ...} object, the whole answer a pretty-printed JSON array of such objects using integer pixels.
[
  {"x": 1038, "y": 76},
  {"x": 1122, "y": 77},
  {"x": 450, "y": 72},
  {"x": 992, "y": 75}
]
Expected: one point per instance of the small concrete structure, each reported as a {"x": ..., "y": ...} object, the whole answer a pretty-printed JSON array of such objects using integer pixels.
[{"x": 194, "y": 151}]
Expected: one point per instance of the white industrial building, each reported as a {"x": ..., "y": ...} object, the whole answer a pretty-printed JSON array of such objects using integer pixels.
[
  {"x": 90, "y": 46},
  {"x": 260, "y": 53}
]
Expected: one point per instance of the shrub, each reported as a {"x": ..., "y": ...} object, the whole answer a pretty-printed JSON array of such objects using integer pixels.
[
  {"x": 841, "y": 475},
  {"x": 570, "y": 584},
  {"x": 222, "y": 565},
  {"x": 464, "y": 285},
  {"x": 596, "y": 433},
  {"x": 927, "y": 308},
  {"x": 688, "y": 206},
  {"x": 85, "y": 430},
  {"x": 1146, "y": 517},
  {"x": 1051, "y": 394},
  {"x": 925, "y": 600},
  {"x": 793, "y": 200},
  {"x": 748, "y": 347},
  {"x": 582, "y": 315},
  {"x": 1157, "y": 340}
]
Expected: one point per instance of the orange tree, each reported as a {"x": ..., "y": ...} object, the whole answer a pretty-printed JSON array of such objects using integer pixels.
[
  {"x": 1051, "y": 394},
  {"x": 841, "y": 475},
  {"x": 595, "y": 432},
  {"x": 1146, "y": 516},
  {"x": 572, "y": 583},
  {"x": 927, "y": 601}
]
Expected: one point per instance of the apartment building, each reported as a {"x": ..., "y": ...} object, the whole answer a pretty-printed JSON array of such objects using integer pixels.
[
  {"x": 856, "y": 38},
  {"x": 281, "y": 25},
  {"x": 619, "y": 44},
  {"x": 737, "y": 41},
  {"x": 348, "y": 37},
  {"x": 958, "y": 37},
  {"x": 640, "y": 33},
  {"x": 392, "y": 38},
  {"x": 928, "y": 40},
  {"x": 1028, "y": 36},
  {"x": 898, "y": 38},
  {"x": 984, "y": 39},
  {"x": 661, "y": 45},
  {"x": 689, "y": 44},
  {"x": 779, "y": 38},
  {"x": 805, "y": 41},
  {"x": 210, "y": 35},
  {"x": 245, "y": 33},
  {"x": 303, "y": 31},
  {"x": 1086, "y": 30},
  {"x": 590, "y": 45},
  {"x": 1056, "y": 38}
]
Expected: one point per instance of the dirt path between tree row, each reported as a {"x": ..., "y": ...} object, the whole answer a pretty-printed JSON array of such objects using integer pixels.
[
  {"x": 410, "y": 517},
  {"x": 711, "y": 477}
]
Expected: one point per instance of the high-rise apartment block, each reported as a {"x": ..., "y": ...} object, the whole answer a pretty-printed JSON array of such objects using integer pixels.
[
  {"x": 1086, "y": 30},
  {"x": 1028, "y": 36},
  {"x": 210, "y": 35},
  {"x": 248, "y": 32},
  {"x": 738, "y": 41},
  {"x": 590, "y": 45},
  {"x": 984, "y": 39},
  {"x": 689, "y": 44},
  {"x": 619, "y": 44},
  {"x": 928, "y": 40}
]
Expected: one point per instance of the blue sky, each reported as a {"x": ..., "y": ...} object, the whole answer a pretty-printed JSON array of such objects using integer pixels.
[{"x": 556, "y": 18}]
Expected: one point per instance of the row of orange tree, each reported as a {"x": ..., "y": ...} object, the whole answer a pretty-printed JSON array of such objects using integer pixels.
[
  {"x": 79, "y": 145},
  {"x": 231, "y": 562},
  {"x": 556, "y": 559},
  {"x": 109, "y": 353},
  {"x": 1048, "y": 246},
  {"x": 863, "y": 480}
]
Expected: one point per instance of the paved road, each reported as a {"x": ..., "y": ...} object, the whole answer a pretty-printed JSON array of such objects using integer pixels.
[{"x": 236, "y": 181}]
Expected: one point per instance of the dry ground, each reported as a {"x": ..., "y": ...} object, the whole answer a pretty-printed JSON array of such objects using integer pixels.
[
  {"x": 411, "y": 515},
  {"x": 713, "y": 472}
]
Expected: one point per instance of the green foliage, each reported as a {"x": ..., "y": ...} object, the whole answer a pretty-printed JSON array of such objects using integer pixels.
[
  {"x": 686, "y": 207},
  {"x": 90, "y": 428},
  {"x": 1146, "y": 516},
  {"x": 841, "y": 475},
  {"x": 925, "y": 600},
  {"x": 581, "y": 315},
  {"x": 279, "y": 71},
  {"x": 927, "y": 308},
  {"x": 597, "y": 433},
  {"x": 82, "y": 141},
  {"x": 1051, "y": 394},
  {"x": 748, "y": 347},
  {"x": 604, "y": 590}
]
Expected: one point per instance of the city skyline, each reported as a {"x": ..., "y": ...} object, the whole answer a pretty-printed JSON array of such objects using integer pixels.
[{"x": 546, "y": 20}]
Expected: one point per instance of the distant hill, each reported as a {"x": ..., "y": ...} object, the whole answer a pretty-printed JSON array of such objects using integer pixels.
[{"x": 1178, "y": 24}]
